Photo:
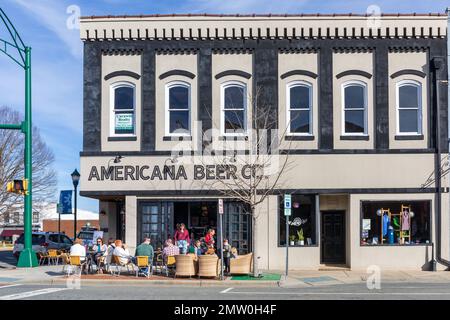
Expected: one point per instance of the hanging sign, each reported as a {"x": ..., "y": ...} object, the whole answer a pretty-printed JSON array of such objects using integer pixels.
[
  {"x": 65, "y": 202},
  {"x": 220, "y": 206},
  {"x": 124, "y": 121}
]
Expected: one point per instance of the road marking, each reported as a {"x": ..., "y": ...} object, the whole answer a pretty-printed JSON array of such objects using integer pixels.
[
  {"x": 226, "y": 290},
  {"x": 10, "y": 285},
  {"x": 343, "y": 293},
  {"x": 31, "y": 293}
]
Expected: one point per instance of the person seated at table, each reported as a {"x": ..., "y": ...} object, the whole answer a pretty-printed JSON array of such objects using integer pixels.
[
  {"x": 77, "y": 249},
  {"x": 209, "y": 238},
  {"x": 99, "y": 249},
  {"x": 145, "y": 249},
  {"x": 197, "y": 248},
  {"x": 181, "y": 238},
  {"x": 169, "y": 250},
  {"x": 122, "y": 252}
]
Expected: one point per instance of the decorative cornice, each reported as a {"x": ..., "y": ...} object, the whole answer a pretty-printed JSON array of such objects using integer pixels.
[
  {"x": 299, "y": 72},
  {"x": 219, "y": 27},
  {"x": 408, "y": 72},
  {"x": 122, "y": 73},
  {"x": 177, "y": 72},
  {"x": 354, "y": 73},
  {"x": 238, "y": 73}
]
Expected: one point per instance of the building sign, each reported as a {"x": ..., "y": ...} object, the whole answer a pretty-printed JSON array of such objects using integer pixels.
[
  {"x": 168, "y": 172},
  {"x": 124, "y": 121},
  {"x": 220, "y": 205}
]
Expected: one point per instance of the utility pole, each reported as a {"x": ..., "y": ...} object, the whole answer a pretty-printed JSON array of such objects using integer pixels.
[{"x": 27, "y": 257}]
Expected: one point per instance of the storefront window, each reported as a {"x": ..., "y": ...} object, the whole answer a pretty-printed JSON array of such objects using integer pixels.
[
  {"x": 395, "y": 222},
  {"x": 302, "y": 222}
]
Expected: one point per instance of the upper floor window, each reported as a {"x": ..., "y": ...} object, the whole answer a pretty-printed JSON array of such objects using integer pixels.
[
  {"x": 234, "y": 108},
  {"x": 178, "y": 107},
  {"x": 299, "y": 109},
  {"x": 123, "y": 105},
  {"x": 409, "y": 107},
  {"x": 355, "y": 108}
]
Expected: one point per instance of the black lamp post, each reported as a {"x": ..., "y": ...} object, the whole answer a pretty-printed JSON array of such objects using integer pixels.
[{"x": 75, "y": 179}]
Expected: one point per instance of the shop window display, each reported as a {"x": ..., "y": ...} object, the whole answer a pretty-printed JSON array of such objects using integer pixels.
[
  {"x": 302, "y": 222},
  {"x": 395, "y": 222}
]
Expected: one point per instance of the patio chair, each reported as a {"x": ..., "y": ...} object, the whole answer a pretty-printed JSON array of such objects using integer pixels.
[
  {"x": 42, "y": 256},
  {"x": 75, "y": 263},
  {"x": 116, "y": 265},
  {"x": 159, "y": 262},
  {"x": 208, "y": 266},
  {"x": 184, "y": 266},
  {"x": 170, "y": 263},
  {"x": 65, "y": 261},
  {"x": 242, "y": 264},
  {"x": 144, "y": 262},
  {"x": 53, "y": 257}
]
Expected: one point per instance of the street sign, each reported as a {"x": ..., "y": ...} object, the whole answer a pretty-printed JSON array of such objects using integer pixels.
[
  {"x": 287, "y": 212},
  {"x": 220, "y": 205},
  {"x": 287, "y": 201}
]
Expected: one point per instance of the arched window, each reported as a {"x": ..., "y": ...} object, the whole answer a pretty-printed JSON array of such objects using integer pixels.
[
  {"x": 409, "y": 107},
  {"x": 178, "y": 106},
  {"x": 354, "y": 108},
  {"x": 299, "y": 108},
  {"x": 234, "y": 108},
  {"x": 123, "y": 109}
]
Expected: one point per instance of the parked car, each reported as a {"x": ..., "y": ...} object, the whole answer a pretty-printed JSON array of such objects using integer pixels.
[{"x": 42, "y": 241}]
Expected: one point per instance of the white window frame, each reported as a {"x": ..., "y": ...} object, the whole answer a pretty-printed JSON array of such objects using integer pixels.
[
  {"x": 224, "y": 86},
  {"x": 343, "y": 109},
  {"x": 167, "y": 110},
  {"x": 112, "y": 122},
  {"x": 419, "y": 109},
  {"x": 288, "y": 109}
]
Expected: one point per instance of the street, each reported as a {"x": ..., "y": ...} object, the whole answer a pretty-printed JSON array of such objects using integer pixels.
[{"x": 388, "y": 291}]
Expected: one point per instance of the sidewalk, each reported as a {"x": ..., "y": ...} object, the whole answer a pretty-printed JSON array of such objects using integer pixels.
[{"x": 52, "y": 275}]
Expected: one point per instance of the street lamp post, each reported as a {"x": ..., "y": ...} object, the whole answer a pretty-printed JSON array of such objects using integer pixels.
[{"x": 75, "y": 179}]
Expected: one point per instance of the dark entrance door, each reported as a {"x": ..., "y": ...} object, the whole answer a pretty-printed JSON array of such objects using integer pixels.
[{"x": 333, "y": 237}]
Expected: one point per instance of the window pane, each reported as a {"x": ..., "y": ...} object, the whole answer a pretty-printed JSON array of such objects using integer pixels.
[
  {"x": 179, "y": 121},
  {"x": 354, "y": 121},
  {"x": 123, "y": 98},
  {"x": 124, "y": 123},
  {"x": 300, "y": 121},
  {"x": 179, "y": 97},
  {"x": 408, "y": 96},
  {"x": 408, "y": 121},
  {"x": 407, "y": 229},
  {"x": 303, "y": 217},
  {"x": 234, "y": 120},
  {"x": 354, "y": 97},
  {"x": 234, "y": 97},
  {"x": 299, "y": 97}
]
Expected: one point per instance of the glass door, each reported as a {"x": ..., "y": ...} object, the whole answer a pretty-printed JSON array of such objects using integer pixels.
[
  {"x": 155, "y": 222},
  {"x": 237, "y": 226}
]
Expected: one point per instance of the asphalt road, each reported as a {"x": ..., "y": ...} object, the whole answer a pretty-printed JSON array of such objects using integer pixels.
[{"x": 390, "y": 291}]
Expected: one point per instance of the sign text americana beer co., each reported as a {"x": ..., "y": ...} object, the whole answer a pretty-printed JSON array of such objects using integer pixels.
[{"x": 171, "y": 172}]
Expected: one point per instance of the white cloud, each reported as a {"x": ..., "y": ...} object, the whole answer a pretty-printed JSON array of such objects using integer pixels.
[{"x": 52, "y": 14}]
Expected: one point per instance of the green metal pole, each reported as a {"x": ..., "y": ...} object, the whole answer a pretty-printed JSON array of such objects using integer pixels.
[{"x": 28, "y": 257}]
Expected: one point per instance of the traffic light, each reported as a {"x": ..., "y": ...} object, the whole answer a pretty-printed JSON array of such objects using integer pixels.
[{"x": 18, "y": 186}]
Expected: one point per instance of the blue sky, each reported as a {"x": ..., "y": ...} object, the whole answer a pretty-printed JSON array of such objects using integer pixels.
[{"x": 57, "y": 56}]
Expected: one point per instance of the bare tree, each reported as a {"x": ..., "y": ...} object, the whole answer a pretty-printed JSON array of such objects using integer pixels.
[
  {"x": 261, "y": 165},
  {"x": 12, "y": 166}
]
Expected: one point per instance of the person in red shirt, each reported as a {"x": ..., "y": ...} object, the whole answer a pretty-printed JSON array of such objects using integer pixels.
[
  {"x": 182, "y": 238},
  {"x": 209, "y": 238}
]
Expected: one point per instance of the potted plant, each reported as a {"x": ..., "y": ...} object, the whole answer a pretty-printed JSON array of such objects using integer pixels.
[
  {"x": 292, "y": 240},
  {"x": 301, "y": 238}
]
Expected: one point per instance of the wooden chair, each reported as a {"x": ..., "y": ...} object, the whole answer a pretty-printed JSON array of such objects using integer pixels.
[
  {"x": 42, "y": 257},
  {"x": 75, "y": 263},
  {"x": 143, "y": 262},
  {"x": 242, "y": 264},
  {"x": 184, "y": 266},
  {"x": 53, "y": 257},
  {"x": 208, "y": 266}
]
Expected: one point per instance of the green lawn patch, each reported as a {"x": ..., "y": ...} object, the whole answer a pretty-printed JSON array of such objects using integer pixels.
[{"x": 264, "y": 277}]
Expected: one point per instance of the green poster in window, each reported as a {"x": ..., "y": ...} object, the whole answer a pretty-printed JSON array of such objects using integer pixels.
[{"x": 124, "y": 122}]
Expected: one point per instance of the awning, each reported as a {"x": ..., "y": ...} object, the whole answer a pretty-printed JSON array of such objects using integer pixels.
[{"x": 10, "y": 233}]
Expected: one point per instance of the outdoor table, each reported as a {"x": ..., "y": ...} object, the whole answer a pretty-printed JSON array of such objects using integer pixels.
[{"x": 91, "y": 261}]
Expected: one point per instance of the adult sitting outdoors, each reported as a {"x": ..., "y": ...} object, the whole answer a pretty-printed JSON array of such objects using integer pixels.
[
  {"x": 122, "y": 252},
  {"x": 196, "y": 249},
  {"x": 169, "y": 250},
  {"x": 145, "y": 249},
  {"x": 182, "y": 238},
  {"x": 77, "y": 249}
]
